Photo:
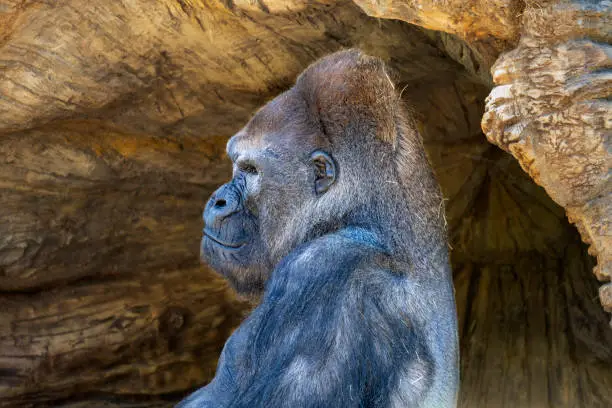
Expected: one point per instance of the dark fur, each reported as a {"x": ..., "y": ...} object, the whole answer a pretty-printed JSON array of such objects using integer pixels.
[{"x": 358, "y": 310}]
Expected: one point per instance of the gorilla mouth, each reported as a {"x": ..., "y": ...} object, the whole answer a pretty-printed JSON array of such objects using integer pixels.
[{"x": 222, "y": 243}]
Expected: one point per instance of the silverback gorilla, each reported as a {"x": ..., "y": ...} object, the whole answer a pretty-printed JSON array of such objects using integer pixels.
[{"x": 334, "y": 213}]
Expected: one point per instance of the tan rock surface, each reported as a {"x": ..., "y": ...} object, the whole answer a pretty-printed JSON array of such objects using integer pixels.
[{"x": 551, "y": 110}]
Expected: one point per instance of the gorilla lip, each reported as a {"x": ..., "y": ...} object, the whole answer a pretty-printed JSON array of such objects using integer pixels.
[{"x": 219, "y": 242}]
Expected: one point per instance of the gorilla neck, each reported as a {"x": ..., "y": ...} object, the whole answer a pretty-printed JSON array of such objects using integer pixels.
[
  {"x": 366, "y": 195},
  {"x": 403, "y": 231}
]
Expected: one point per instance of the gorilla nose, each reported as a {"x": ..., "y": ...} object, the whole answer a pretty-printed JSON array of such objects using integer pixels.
[
  {"x": 223, "y": 203},
  {"x": 220, "y": 203}
]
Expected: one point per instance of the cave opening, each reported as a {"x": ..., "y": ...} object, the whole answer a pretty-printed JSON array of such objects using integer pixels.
[{"x": 526, "y": 294}]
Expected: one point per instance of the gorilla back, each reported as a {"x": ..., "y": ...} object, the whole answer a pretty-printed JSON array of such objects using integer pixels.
[{"x": 334, "y": 213}]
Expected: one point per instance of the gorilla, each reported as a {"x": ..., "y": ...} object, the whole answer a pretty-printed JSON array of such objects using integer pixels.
[{"x": 334, "y": 218}]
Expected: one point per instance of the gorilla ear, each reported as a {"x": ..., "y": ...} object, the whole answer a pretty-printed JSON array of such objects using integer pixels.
[{"x": 325, "y": 171}]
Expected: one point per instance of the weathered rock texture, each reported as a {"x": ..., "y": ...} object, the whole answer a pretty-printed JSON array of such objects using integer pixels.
[
  {"x": 552, "y": 111},
  {"x": 113, "y": 121},
  {"x": 487, "y": 26}
]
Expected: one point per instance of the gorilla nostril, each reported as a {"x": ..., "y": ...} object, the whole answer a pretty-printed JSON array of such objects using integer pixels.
[{"x": 220, "y": 203}]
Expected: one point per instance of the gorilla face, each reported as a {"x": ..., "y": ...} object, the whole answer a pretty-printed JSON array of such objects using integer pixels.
[
  {"x": 278, "y": 169},
  {"x": 231, "y": 241}
]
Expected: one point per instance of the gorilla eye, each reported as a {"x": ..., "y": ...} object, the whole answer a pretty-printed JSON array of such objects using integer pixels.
[{"x": 247, "y": 168}]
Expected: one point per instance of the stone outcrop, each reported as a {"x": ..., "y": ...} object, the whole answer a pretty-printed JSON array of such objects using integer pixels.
[{"x": 551, "y": 110}]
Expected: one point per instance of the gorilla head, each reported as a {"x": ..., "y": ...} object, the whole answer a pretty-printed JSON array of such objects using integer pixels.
[{"x": 318, "y": 157}]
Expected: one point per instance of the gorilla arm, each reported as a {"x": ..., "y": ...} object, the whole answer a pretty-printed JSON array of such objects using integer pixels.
[{"x": 345, "y": 339}]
